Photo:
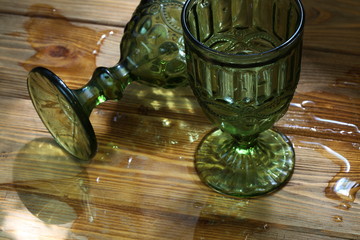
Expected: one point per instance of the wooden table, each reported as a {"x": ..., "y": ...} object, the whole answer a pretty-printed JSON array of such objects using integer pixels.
[{"x": 142, "y": 183}]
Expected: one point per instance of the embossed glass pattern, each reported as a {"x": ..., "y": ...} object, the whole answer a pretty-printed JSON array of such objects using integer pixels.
[
  {"x": 152, "y": 52},
  {"x": 244, "y": 61}
]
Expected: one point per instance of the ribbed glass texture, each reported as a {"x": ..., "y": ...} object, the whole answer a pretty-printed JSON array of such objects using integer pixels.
[
  {"x": 243, "y": 59},
  {"x": 246, "y": 90}
]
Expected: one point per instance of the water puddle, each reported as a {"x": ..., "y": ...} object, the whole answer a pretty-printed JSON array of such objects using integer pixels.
[
  {"x": 228, "y": 217},
  {"x": 312, "y": 122},
  {"x": 345, "y": 185},
  {"x": 67, "y": 49}
]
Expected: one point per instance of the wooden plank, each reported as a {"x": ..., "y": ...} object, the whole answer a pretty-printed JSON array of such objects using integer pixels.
[
  {"x": 159, "y": 183},
  {"x": 16, "y": 47},
  {"x": 328, "y": 22},
  {"x": 142, "y": 183},
  {"x": 72, "y": 56},
  {"x": 115, "y": 13},
  {"x": 326, "y": 83}
]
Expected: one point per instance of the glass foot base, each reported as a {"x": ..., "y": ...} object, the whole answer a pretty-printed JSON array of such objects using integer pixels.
[
  {"x": 62, "y": 113},
  {"x": 244, "y": 172}
]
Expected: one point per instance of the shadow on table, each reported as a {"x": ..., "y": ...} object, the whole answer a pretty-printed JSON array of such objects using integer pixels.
[{"x": 51, "y": 184}]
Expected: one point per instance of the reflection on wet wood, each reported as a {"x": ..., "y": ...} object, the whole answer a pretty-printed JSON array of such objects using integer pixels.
[
  {"x": 142, "y": 183},
  {"x": 70, "y": 49}
]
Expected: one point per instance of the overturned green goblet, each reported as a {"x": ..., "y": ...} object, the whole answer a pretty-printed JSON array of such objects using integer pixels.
[{"x": 152, "y": 52}]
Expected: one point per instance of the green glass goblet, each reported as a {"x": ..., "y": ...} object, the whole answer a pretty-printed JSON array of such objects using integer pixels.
[
  {"x": 152, "y": 52},
  {"x": 243, "y": 60}
]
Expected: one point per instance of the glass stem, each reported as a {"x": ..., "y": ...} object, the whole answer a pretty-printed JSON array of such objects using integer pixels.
[
  {"x": 246, "y": 142},
  {"x": 105, "y": 84}
]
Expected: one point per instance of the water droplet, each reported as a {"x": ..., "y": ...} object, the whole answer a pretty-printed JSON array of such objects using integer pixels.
[
  {"x": 356, "y": 145},
  {"x": 344, "y": 206},
  {"x": 129, "y": 162},
  {"x": 98, "y": 179},
  {"x": 101, "y": 40},
  {"x": 173, "y": 142},
  {"x": 95, "y": 52},
  {"x": 193, "y": 136},
  {"x": 337, "y": 218},
  {"x": 297, "y": 105},
  {"x": 313, "y": 129},
  {"x": 198, "y": 205},
  {"x": 166, "y": 122},
  {"x": 307, "y": 103},
  {"x": 266, "y": 227},
  {"x": 115, "y": 147}
]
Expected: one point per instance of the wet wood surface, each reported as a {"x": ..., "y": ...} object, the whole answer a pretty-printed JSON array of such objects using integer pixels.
[{"x": 142, "y": 183}]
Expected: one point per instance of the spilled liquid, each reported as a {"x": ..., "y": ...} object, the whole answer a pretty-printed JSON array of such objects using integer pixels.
[
  {"x": 345, "y": 185},
  {"x": 68, "y": 50},
  {"x": 324, "y": 125}
]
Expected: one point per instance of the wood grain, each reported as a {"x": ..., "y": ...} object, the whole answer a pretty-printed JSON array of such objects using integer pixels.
[
  {"x": 109, "y": 12},
  {"x": 142, "y": 183}
]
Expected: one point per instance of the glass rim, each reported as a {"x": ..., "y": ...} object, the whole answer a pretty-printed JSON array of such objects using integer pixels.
[{"x": 288, "y": 42}]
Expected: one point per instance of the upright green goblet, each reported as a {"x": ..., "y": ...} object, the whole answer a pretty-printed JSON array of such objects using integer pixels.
[
  {"x": 243, "y": 59},
  {"x": 152, "y": 52}
]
